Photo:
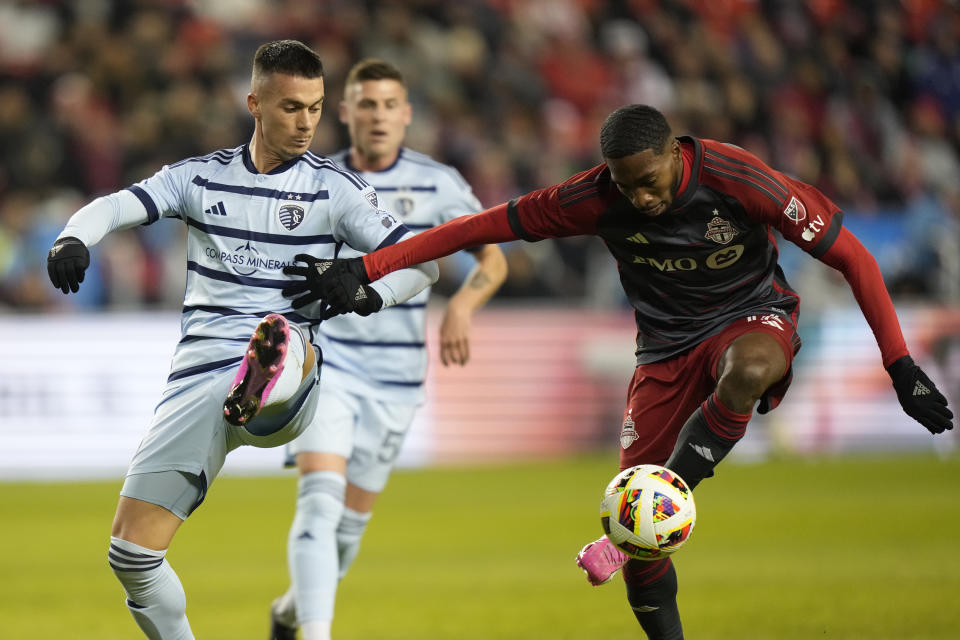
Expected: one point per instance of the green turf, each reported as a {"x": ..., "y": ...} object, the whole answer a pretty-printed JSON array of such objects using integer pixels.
[{"x": 851, "y": 548}]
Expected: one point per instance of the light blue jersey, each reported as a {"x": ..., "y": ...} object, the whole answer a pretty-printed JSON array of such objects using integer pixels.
[
  {"x": 384, "y": 354},
  {"x": 243, "y": 228}
]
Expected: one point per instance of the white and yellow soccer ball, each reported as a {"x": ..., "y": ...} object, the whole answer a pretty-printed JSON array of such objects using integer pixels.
[{"x": 648, "y": 512}]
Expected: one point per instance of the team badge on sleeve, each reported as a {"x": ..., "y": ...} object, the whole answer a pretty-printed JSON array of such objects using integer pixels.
[
  {"x": 795, "y": 210},
  {"x": 291, "y": 215},
  {"x": 386, "y": 219}
]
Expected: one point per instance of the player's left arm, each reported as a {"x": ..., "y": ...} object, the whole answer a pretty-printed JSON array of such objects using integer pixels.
[
  {"x": 918, "y": 395},
  {"x": 810, "y": 220},
  {"x": 481, "y": 283}
]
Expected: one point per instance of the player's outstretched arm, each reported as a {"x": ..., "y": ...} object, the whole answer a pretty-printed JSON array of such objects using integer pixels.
[
  {"x": 480, "y": 284},
  {"x": 919, "y": 397},
  {"x": 67, "y": 261},
  {"x": 333, "y": 279}
]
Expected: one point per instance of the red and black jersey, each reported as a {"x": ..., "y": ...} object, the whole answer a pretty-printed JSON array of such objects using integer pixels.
[{"x": 709, "y": 259}]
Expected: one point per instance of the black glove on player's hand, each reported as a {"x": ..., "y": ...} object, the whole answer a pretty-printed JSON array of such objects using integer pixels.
[
  {"x": 342, "y": 283},
  {"x": 67, "y": 259},
  {"x": 919, "y": 397}
]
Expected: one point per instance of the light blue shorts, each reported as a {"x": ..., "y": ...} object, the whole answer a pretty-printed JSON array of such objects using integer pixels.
[
  {"x": 367, "y": 432},
  {"x": 189, "y": 434}
]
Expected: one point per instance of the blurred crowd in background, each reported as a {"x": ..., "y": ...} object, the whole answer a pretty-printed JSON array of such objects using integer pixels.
[{"x": 861, "y": 99}]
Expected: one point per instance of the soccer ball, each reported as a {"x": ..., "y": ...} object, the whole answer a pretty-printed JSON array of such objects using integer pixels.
[{"x": 648, "y": 512}]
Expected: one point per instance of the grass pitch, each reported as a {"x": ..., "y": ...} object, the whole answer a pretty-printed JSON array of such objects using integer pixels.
[{"x": 794, "y": 549}]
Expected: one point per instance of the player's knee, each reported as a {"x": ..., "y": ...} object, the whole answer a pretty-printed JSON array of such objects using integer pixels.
[{"x": 749, "y": 376}]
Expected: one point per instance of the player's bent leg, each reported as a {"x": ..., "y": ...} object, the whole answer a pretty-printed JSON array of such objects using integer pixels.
[
  {"x": 312, "y": 549},
  {"x": 141, "y": 533},
  {"x": 652, "y": 594},
  {"x": 601, "y": 560},
  {"x": 750, "y": 365},
  {"x": 282, "y": 421},
  {"x": 270, "y": 372}
]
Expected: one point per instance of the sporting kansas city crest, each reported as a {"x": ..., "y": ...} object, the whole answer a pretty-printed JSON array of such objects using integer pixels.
[{"x": 291, "y": 215}]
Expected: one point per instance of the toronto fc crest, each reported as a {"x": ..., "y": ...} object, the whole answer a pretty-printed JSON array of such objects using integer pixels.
[
  {"x": 720, "y": 231},
  {"x": 628, "y": 435}
]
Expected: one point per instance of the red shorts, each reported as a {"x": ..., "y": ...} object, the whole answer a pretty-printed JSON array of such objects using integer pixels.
[{"x": 663, "y": 395}]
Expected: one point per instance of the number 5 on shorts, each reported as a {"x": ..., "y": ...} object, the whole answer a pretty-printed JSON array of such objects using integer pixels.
[{"x": 390, "y": 447}]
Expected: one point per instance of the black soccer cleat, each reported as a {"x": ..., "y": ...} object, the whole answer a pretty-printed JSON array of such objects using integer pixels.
[{"x": 279, "y": 630}]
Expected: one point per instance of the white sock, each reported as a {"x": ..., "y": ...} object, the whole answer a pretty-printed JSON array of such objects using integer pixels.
[
  {"x": 316, "y": 630},
  {"x": 155, "y": 596},
  {"x": 312, "y": 545},
  {"x": 292, "y": 375},
  {"x": 351, "y": 528}
]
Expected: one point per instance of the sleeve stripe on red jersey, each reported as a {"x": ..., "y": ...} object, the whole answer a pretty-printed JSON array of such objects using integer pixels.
[
  {"x": 746, "y": 180},
  {"x": 732, "y": 163},
  {"x": 720, "y": 162},
  {"x": 829, "y": 237},
  {"x": 574, "y": 193},
  {"x": 513, "y": 218}
]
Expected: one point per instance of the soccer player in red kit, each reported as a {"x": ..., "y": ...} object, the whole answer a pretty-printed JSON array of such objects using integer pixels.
[{"x": 690, "y": 222}]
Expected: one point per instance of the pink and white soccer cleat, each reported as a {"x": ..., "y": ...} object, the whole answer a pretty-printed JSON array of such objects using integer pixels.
[
  {"x": 600, "y": 560},
  {"x": 259, "y": 370}
]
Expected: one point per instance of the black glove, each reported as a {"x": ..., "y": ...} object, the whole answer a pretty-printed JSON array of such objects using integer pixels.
[
  {"x": 342, "y": 283},
  {"x": 67, "y": 259},
  {"x": 919, "y": 397}
]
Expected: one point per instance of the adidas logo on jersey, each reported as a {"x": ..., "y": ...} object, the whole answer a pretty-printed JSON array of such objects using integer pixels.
[
  {"x": 919, "y": 389},
  {"x": 216, "y": 210}
]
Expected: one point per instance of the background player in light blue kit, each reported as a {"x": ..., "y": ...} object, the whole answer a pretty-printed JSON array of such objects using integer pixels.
[
  {"x": 248, "y": 211},
  {"x": 374, "y": 366}
]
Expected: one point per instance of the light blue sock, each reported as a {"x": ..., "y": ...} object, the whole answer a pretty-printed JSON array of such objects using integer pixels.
[
  {"x": 312, "y": 544},
  {"x": 155, "y": 596},
  {"x": 352, "y": 525}
]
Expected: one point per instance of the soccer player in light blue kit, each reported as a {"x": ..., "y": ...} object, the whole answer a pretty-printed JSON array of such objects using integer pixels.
[
  {"x": 249, "y": 211},
  {"x": 374, "y": 366}
]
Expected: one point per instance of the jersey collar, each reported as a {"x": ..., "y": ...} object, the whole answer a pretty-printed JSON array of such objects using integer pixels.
[
  {"x": 349, "y": 165},
  {"x": 691, "y": 154},
  {"x": 280, "y": 168}
]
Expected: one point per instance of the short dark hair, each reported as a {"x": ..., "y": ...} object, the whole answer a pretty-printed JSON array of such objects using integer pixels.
[
  {"x": 632, "y": 129},
  {"x": 374, "y": 69},
  {"x": 287, "y": 56}
]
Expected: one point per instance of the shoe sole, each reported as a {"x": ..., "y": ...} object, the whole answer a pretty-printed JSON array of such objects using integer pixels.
[
  {"x": 590, "y": 576},
  {"x": 259, "y": 370}
]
